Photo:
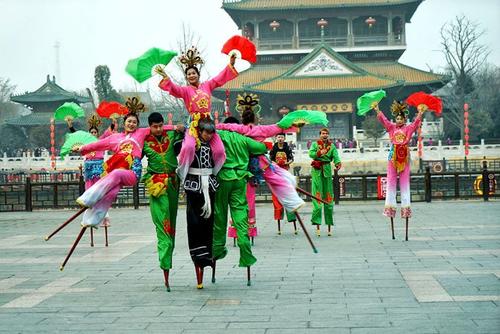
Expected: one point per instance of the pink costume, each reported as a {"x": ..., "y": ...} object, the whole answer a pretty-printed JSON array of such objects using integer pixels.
[
  {"x": 198, "y": 102},
  {"x": 123, "y": 169},
  {"x": 279, "y": 180},
  {"x": 93, "y": 163},
  {"x": 399, "y": 163}
]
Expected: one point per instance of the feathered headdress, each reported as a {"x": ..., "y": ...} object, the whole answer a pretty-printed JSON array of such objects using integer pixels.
[
  {"x": 399, "y": 108},
  {"x": 248, "y": 101},
  {"x": 191, "y": 58},
  {"x": 94, "y": 122},
  {"x": 134, "y": 106}
]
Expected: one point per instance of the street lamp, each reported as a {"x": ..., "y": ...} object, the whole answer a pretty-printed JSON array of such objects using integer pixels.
[
  {"x": 274, "y": 25},
  {"x": 322, "y": 23}
]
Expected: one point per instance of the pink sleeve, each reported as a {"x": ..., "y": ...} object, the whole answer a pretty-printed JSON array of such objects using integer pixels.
[
  {"x": 257, "y": 132},
  {"x": 227, "y": 74},
  {"x": 104, "y": 144},
  {"x": 107, "y": 133},
  {"x": 172, "y": 88},
  {"x": 414, "y": 126},
  {"x": 388, "y": 125},
  {"x": 169, "y": 127}
]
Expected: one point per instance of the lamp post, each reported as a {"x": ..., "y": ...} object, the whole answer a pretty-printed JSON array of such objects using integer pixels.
[
  {"x": 466, "y": 130},
  {"x": 322, "y": 23}
]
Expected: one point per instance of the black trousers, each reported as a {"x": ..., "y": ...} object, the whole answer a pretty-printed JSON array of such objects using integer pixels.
[{"x": 199, "y": 229}]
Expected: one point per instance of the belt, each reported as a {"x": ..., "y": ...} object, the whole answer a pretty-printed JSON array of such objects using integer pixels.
[{"x": 200, "y": 171}]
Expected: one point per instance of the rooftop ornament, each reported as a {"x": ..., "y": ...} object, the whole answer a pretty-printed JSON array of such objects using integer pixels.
[{"x": 322, "y": 23}]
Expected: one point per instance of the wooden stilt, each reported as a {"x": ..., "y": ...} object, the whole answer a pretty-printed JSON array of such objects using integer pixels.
[
  {"x": 165, "y": 276},
  {"x": 78, "y": 238},
  {"x": 406, "y": 238},
  {"x": 305, "y": 232},
  {"x": 234, "y": 242},
  {"x": 392, "y": 228},
  {"x": 213, "y": 271},
  {"x": 65, "y": 223},
  {"x": 106, "y": 235},
  {"x": 199, "y": 277},
  {"x": 294, "y": 227},
  {"x": 251, "y": 238},
  {"x": 329, "y": 230},
  {"x": 279, "y": 227},
  {"x": 300, "y": 190},
  {"x": 318, "y": 231},
  {"x": 249, "y": 282},
  {"x": 91, "y": 237}
]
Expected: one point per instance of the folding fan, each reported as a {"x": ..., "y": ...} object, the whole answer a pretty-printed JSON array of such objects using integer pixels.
[
  {"x": 243, "y": 47},
  {"x": 141, "y": 68},
  {"x": 69, "y": 111},
  {"x": 433, "y": 103},
  {"x": 301, "y": 117},
  {"x": 365, "y": 102},
  {"x": 111, "y": 109},
  {"x": 75, "y": 139}
]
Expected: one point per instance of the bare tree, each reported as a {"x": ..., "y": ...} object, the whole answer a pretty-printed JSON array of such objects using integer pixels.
[
  {"x": 6, "y": 90},
  {"x": 465, "y": 56}
]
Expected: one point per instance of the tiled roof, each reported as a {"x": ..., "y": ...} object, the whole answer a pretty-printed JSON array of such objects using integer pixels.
[
  {"x": 324, "y": 84},
  {"x": 294, "y": 4},
  {"x": 256, "y": 74},
  {"x": 399, "y": 71},
  {"x": 49, "y": 92}
]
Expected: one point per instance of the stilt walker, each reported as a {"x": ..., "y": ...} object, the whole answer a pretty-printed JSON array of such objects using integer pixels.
[
  {"x": 93, "y": 163},
  {"x": 232, "y": 195},
  {"x": 162, "y": 183},
  {"x": 323, "y": 153},
  {"x": 398, "y": 163},
  {"x": 200, "y": 185},
  {"x": 282, "y": 155},
  {"x": 198, "y": 101}
]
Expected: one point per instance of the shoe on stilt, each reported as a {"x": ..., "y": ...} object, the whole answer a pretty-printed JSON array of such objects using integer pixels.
[
  {"x": 165, "y": 276},
  {"x": 318, "y": 231},
  {"x": 279, "y": 227},
  {"x": 213, "y": 271},
  {"x": 330, "y": 233},
  {"x": 294, "y": 227},
  {"x": 199, "y": 277}
]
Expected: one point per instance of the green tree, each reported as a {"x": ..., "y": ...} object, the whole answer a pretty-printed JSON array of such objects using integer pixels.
[
  {"x": 105, "y": 90},
  {"x": 373, "y": 128}
]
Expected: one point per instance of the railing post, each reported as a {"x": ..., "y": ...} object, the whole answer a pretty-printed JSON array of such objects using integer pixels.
[
  {"x": 364, "y": 194},
  {"x": 336, "y": 186},
  {"x": 136, "y": 195},
  {"x": 457, "y": 185},
  {"x": 486, "y": 182},
  {"x": 28, "y": 204},
  {"x": 428, "y": 185}
]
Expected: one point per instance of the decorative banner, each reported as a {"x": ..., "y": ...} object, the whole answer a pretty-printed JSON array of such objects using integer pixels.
[
  {"x": 381, "y": 187},
  {"x": 328, "y": 107},
  {"x": 52, "y": 145}
]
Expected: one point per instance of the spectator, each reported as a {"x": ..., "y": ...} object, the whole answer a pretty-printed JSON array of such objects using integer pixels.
[{"x": 309, "y": 143}]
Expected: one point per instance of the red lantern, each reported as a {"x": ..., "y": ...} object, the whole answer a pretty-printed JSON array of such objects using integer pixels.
[
  {"x": 322, "y": 23},
  {"x": 170, "y": 116},
  {"x": 52, "y": 144},
  {"x": 274, "y": 25},
  {"x": 466, "y": 129},
  {"x": 370, "y": 21},
  {"x": 420, "y": 146},
  {"x": 466, "y": 107},
  {"x": 216, "y": 117}
]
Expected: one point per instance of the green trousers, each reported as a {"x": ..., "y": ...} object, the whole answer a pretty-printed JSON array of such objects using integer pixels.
[
  {"x": 322, "y": 187},
  {"x": 232, "y": 195},
  {"x": 164, "y": 214}
]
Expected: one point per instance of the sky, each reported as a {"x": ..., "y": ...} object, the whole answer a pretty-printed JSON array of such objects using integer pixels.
[{"x": 110, "y": 32}]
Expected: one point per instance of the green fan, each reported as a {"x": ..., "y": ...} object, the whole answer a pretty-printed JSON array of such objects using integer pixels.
[
  {"x": 302, "y": 117},
  {"x": 69, "y": 110},
  {"x": 365, "y": 102},
  {"x": 77, "y": 138},
  {"x": 140, "y": 68}
]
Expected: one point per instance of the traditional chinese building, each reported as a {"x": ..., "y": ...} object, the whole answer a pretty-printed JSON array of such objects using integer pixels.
[
  {"x": 324, "y": 54},
  {"x": 43, "y": 102}
]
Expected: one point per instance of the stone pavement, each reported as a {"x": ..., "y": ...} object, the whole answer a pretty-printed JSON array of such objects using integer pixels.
[{"x": 446, "y": 279}]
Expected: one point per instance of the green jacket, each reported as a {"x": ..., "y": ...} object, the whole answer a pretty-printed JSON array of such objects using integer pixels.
[
  {"x": 238, "y": 150},
  {"x": 160, "y": 152},
  {"x": 331, "y": 155}
]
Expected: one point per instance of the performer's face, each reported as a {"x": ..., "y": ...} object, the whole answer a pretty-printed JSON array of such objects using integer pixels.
[
  {"x": 206, "y": 136},
  {"x": 156, "y": 128},
  {"x": 94, "y": 133},
  {"x": 130, "y": 124},
  {"x": 400, "y": 120},
  {"x": 280, "y": 139},
  {"x": 323, "y": 135},
  {"x": 192, "y": 76}
]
